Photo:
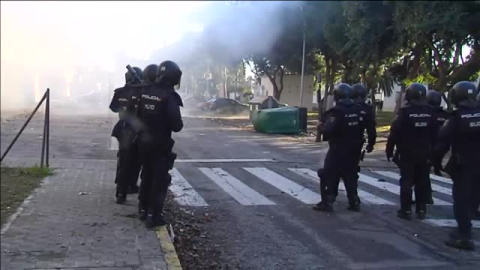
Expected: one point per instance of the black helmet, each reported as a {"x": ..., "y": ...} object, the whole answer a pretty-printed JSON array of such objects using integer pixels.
[
  {"x": 168, "y": 74},
  {"x": 462, "y": 92},
  {"x": 342, "y": 91},
  {"x": 359, "y": 92},
  {"x": 415, "y": 93},
  {"x": 150, "y": 73},
  {"x": 434, "y": 98},
  {"x": 130, "y": 79}
]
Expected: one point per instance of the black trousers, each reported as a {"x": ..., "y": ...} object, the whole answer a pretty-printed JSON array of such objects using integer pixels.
[
  {"x": 414, "y": 173},
  {"x": 358, "y": 153},
  {"x": 155, "y": 181},
  {"x": 466, "y": 196},
  {"x": 128, "y": 163},
  {"x": 128, "y": 168},
  {"x": 340, "y": 163}
]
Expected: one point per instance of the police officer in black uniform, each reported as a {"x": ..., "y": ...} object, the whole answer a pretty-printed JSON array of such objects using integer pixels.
[
  {"x": 413, "y": 132},
  {"x": 461, "y": 132},
  {"x": 149, "y": 76},
  {"x": 434, "y": 99},
  {"x": 478, "y": 96},
  {"x": 368, "y": 123},
  {"x": 128, "y": 165},
  {"x": 344, "y": 132},
  {"x": 159, "y": 111}
]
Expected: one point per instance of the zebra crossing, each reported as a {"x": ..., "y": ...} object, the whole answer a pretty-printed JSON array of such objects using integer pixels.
[{"x": 375, "y": 188}]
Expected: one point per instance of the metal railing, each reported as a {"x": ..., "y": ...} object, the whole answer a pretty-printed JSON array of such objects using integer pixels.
[{"x": 46, "y": 130}]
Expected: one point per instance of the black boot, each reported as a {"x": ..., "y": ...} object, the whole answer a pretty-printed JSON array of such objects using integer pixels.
[
  {"x": 323, "y": 206},
  {"x": 421, "y": 210},
  {"x": 460, "y": 242},
  {"x": 142, "y": 212},
  {"x": 120, "y": 198},
  {"x": 404, "y": 214},
  {"x": 326, "y": 205},
  {"x": 354, "y": 205},
  {"x": 154, "y": 220}
]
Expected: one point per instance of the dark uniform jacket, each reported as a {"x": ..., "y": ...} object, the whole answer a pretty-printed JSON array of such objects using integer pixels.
[
  {"x": 461, "y": 132},
  {"x": 159, "y": 112},
  {"x": 413, "y": 132}
]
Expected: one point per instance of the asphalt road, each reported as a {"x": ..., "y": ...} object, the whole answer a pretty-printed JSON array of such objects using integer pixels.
[{"x": 260, "y": 190}]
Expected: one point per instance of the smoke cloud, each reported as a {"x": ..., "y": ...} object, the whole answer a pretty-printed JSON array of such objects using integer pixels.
[{"x": 80, "y": 49}]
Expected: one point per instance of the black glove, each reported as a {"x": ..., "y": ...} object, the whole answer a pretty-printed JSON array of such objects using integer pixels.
[
  {"x": 369, "y": 148},
  {"x": 389, "y": 156}
]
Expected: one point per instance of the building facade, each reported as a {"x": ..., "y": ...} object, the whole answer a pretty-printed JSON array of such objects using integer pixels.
[{"x": 291, "y": 90}]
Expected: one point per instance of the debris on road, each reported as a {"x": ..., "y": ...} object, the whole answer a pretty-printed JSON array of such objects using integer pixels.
[{"x": 192, "y": 243}]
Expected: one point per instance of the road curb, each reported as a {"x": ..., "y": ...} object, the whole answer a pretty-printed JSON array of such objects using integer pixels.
[{"x": 169, "y": 253}]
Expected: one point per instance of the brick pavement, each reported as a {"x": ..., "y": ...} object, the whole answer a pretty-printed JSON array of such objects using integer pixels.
[{"x": 61, "y": 229}]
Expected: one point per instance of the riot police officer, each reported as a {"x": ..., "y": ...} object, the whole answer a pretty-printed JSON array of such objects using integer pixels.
[
  {"x": 149, "y": 76},
  {"x": 344, "y": 132},
  {"x": 478, "y": 96},
  {"x": 128, "y": 165},
  {"x": 159, "y": 112},
  {"x": 461, "y": 133},
  {"x": 413, "y": 132},
  {"x": 434, "y": 99},
  {"x": 368, "y": 123}
]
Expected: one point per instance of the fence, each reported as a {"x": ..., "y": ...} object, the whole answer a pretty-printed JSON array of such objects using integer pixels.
[{"x": 46, "y": 131}]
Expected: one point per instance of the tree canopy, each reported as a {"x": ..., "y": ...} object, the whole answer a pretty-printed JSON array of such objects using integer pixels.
[{"x": 378, "y": 43}]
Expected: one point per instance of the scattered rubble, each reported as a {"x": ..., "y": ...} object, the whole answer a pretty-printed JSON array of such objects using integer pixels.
[{"x": 194, "y": 247}]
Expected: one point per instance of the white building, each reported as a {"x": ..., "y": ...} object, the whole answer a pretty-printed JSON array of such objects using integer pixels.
[{"x": 291, "y": 90}]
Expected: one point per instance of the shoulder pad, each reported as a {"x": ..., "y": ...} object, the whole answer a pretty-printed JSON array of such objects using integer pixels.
[
  {"x": 119, "y": 89},
  {"x": 176, "y": 96}
]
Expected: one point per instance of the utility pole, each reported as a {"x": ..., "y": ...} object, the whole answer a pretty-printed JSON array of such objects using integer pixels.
[
  {"x": 226, "y": 92},
  {"x": 303, "y": 60}
]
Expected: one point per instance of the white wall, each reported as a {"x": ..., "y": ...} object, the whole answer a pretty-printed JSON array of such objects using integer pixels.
[{"x": 291, "y": 90}]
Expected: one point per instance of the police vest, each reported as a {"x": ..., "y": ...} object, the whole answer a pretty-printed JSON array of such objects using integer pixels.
[
  {"x": 127, "y": 99},
  {"x": 350, "y": 125},
  {"x": 466, "y": 141},
  {"x": 153, "y": 115},
  {"x": 417, "y": 131}
]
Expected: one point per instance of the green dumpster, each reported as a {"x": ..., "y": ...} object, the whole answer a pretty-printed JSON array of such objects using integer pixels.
[{"x": 284, "y": 120}]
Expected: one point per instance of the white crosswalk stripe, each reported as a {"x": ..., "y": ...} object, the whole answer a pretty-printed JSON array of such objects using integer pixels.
[
  {"x": 364, "y": 196},
  {"x": 396, "y": 176},
  {"x": 186, "y": 195},
  {"x": 441, "y": 179},
  {"x": 289, "y": 187},
  {"x": 183, "y": 192},
  {"x": 238, "y": 190},
  {"x": 395, "y": 189},
  {"x": 449, "y": 223}
]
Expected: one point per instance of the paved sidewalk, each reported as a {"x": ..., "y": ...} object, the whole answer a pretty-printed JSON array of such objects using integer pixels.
[{"x": 72, "y": 221}]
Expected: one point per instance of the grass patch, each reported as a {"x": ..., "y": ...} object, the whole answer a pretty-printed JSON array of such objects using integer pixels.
[
  {"x": 384, "y": 118},
  {"x": 16, "y": 185}
]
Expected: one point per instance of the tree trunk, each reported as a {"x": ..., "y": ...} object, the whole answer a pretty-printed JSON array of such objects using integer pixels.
[
  {"x": 329, "y": 98},
  {"x": 318, "y": 138},
  {"x": 276, "y": 93},
  {"x": 399, "y": 99}
]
